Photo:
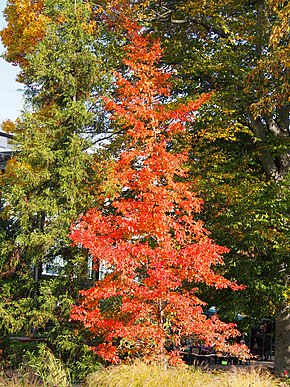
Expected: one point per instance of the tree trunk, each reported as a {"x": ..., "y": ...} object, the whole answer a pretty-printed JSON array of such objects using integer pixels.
[{"x": 282, "y": 342}]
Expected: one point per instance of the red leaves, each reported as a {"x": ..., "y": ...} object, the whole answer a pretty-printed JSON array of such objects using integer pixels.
[{"x": 151, "y": 242}]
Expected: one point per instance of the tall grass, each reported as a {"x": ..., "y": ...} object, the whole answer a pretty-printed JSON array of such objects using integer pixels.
[
  {"x": 143, "y": 375},
  {"x": 49, "y": 369},
  {"x": 43, "y": 370},
  {"x": 252, "y": 376}
]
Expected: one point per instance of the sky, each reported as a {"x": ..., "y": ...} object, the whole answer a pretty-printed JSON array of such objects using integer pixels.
[{"x": 10, "y": 94}]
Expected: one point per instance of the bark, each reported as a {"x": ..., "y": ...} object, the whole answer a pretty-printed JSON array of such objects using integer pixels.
[
  {"x": 266, "y": 158},
  {"x": 282, "y": 341},
  {"x": 276, "y": 167}
]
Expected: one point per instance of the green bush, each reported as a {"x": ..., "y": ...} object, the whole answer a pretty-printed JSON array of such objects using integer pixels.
[
  {"x": 84, "y": 363},
  {"x": 14, "y": 351}
]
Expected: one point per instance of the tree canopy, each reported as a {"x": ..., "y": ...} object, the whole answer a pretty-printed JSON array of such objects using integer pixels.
[{"x": 155, "y": 251}]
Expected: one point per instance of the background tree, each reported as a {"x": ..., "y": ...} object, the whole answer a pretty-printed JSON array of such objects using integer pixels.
[
  {"x": 155, "y": 251},
  {"x": 239, "y": 50}
]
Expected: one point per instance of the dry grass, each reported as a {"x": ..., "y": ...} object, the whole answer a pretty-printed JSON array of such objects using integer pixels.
[
  {"x": 246, "y": 377},
  {"x": 20, "y": 379},
  {"x": 142, "y": 375}
]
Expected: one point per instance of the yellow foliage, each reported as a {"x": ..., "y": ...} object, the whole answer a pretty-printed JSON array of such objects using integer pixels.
[
  {"x": 228, "y": 133},
  {"x": 90, "y": 27},
  {"x": 281, "y": 28},
  {"x": 26, "y": 27},
  {"x": 8, "y": 126}
]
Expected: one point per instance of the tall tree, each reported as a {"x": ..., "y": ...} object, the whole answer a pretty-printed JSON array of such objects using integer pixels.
[
  {"x": 155, "y": 251},
  {"x": 49, "y": 179},
  {"x": 240, "y": 50}
]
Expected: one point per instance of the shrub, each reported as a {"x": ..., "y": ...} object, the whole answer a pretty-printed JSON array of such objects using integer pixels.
[{"x": 15, "y": 351}]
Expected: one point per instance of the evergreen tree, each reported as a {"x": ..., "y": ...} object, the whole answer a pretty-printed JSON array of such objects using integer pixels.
[{"x": 50, "y": 180}]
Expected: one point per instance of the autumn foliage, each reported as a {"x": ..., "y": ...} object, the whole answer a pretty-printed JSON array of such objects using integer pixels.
[
  {"x": 155, "y": 251},
  {"x": 26, "y": 26}
]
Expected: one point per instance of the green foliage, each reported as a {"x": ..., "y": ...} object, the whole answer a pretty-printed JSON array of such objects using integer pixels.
[
  {"x": 83, "y": 364},
  {"x": 48, "y": 368},
  {"x": 239, "y": 51},
  {"x": 250, "y": 217},
  {"x": 15, "y": 351},
  {"x": 50, "y": 180}
]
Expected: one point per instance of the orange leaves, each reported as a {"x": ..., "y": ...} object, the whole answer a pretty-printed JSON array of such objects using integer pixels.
[
  {"x": 149, "y": 238},
  {"x": 108, "y": 352},
  {"x": 26, "y": 26}
]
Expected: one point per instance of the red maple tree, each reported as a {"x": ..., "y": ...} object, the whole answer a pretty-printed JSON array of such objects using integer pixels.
[{"x": 155, "y": 251}]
